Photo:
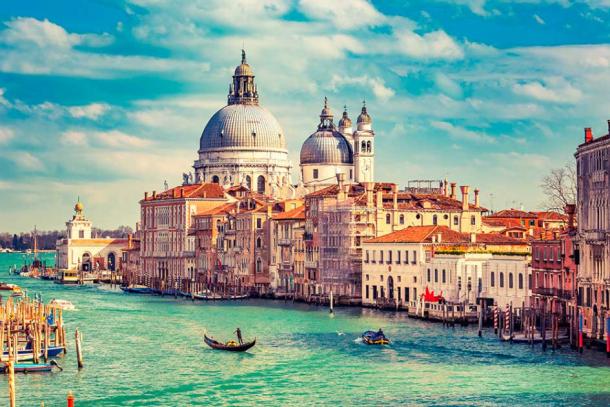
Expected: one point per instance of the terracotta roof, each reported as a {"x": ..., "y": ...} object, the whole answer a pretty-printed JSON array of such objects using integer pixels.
[
  {"x": 551, "y": 215},
  {"x": 424, "y": 234},
  {"x": 205, "y": 190},
  {"x": 512, "y": 213},
  {"x": 297, "y": 214},
  {"x": 225, "y": 209}
]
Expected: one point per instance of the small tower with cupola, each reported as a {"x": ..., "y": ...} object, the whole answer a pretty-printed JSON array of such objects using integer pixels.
[
  {"x": 78, "y": 226},
  {"x": 364, "y": 148}
]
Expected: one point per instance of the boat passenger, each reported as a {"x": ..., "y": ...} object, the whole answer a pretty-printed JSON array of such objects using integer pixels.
[
  {"x": 239, "y": 338},
  {"x": 380, "y": 332}
]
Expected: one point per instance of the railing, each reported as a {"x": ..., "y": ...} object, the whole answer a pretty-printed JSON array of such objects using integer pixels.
[
  {"x": 595, "y": 235},
  {"x": 311, "y": 264},
  {"x": 284, "y": 242},
  {"x": 552, "y": 292}
]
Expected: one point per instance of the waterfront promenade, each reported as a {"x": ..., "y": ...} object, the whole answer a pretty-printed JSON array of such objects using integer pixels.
[{"x": 144, "y": 350}]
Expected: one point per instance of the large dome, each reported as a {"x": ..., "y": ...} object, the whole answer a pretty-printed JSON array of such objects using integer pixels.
[
  {"x": 326, "y": 147},
  {"x": 241, "y": 126}
]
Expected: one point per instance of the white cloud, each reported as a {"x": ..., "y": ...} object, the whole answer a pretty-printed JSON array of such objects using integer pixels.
[
  {"x": 539, "y": 19},
  {"x": 6, "y": 134},
  {"x": 376, "y": 85},
  {"x": 511, "y": 158},
  {"x": 435, "y": 44},
  {"x": 115, "y": 138},
  {"x": 344, "y": 14},
  {"x": 448, "y": 85},
  {"x": 91, "y": 111},
  {"x": 555, "y": 90},
  {"x": 462, "y": 133},
  {"x": 26, "y": 161},
  {"x": 74, "y": 138}
]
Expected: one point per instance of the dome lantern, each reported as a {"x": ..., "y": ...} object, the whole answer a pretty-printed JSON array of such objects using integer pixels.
[{"x": 243, "y": 89}]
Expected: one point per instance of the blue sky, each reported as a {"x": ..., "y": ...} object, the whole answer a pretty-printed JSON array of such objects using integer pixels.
[{"x": 107, "y": 99}]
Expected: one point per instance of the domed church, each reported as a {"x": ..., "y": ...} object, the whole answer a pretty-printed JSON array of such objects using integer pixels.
[
  {"x": 243, "y": 143},
  {"x": 333, "y": 150}
]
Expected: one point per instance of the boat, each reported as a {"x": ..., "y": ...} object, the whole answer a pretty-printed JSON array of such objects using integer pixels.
[
  {"x": 231, "y": 346},
  {"x": 137, "y": 289},
  {"x": 63, "y": 304},
  {"x": 9, "y": 287},
  {"x": 67, "y": 277},
  {"x": 375, "y": 338},
  {"x": 207, "y": 295},
  {"x": 28, "y": 354},
  {"x": 31, "y": 367}
]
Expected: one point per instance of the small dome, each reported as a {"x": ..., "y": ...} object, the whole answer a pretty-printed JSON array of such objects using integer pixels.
[
  {"x": 364, "y": 117},
  {"x": 243, "y": 70},
  {"x": 78, "y": 207},
  {"x": 345, "y": 121},
  {"x": 326, "y": 147}
]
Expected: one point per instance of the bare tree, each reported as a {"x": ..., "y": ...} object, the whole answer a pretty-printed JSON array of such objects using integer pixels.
[{"x": 559, "y": 187}]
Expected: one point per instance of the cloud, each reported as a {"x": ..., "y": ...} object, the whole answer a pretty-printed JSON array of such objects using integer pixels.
[
  {"x": 556, "y": 90},
  {"x": 73, "y": 138},
  {"x": 462, "y": 133},
  {"x": 539, "y": 19},
  {"x": 26, "y": 161},
  {"x": 91, "y": 111},
  {"x": 343, "y": 13},
  {"x": 448, "y": 85},
  {"x": 376, "y": 85},
  {"x": 6, "y": 134},
  {"x": 115, "y": 138},
  {"x": 432, "y": 45},
  {"x": 511, "y": 158}
]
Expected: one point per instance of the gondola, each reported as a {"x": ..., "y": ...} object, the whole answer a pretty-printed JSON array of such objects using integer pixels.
[
  {"x": 230, "y": 346},
  {"x": 31, "y": 367},
  {"x": 374, "y": 338},
  {"x": 137, "y": 289}
]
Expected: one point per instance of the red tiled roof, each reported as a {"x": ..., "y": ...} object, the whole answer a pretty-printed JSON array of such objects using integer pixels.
[
  {"x": 297, "y": 214},
  {"x": 551, "y": 215},
  {"x": 225, "y": 209},
  {"x": 424, "y": 234},
  {"x": 204, "y": 190},
  {"x": 512, "y": 213}
]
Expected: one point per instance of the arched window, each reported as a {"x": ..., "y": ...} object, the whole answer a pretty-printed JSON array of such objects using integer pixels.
[
  {"x": 402, "y": 219},
  {"x": 260, "y": 184},
  {"x": 388, "y": 218},
  {"x": 436, "y": 275},
  {"x": 259, "y": 265},
  {"x": 434, "y": 220},
  {"x": 215, "y": 179},
  {"x": 111, "y": 262},
  {"x": 456, "y": 220},
  {"x": 249, "y": 182},
  {"x": 444, "y": 276},
  {"x": 501, "y": 280},
  {"x": 521, "y": 281},
  {"x": 493, "y": 279},
  {"x": 368, "y": 146},
  {"x": 473, "y": 220},
  {"x": 258, "y": 242},
  {"x": 510, "y": 280},
  {"x": 363, "y": 147}
]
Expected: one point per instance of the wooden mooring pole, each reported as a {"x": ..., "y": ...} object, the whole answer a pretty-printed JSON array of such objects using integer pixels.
[
  {"x": 79, "y": 351},
  {"x": 480, "y": 317}
]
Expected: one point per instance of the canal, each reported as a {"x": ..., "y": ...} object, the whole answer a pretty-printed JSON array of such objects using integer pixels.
[{"x": 148, "y": 351}]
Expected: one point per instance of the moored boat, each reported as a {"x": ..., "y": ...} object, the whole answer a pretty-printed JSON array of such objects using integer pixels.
[
  {"x": 31, "y": 367},
  {"x": 63, "y": 304},
  {"x": 67, "y": 277},
  {"x": 28, "y": 354},
  {"x": 137, "y": 289},
  {"x": 375, "y": 338},
  {"x": 230, "y": 346},
  {"x": 207, "y": 295},
  {"x": 12, "y": 288}
]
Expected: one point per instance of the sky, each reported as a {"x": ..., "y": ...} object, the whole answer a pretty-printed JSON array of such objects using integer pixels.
[{"x": 107, "y": 99}]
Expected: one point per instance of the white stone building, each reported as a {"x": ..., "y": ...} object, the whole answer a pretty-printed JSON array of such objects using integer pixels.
[{"x": 80, "y": 251}]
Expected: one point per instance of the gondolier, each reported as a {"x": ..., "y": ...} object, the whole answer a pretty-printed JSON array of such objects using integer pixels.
[{"x": 239, "y": 338}]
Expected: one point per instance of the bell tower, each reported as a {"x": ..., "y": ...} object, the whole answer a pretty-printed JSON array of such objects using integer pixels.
[{"x": 364, "y": 148}]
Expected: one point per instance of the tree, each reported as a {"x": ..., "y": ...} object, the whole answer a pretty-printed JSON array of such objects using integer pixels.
[{"x": 559, "y": 187}]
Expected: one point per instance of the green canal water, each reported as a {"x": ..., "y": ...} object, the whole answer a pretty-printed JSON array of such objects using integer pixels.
[{"x": 148, "y": 351}]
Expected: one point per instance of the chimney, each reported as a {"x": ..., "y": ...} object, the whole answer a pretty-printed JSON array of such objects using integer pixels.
[
  {"x": 129, "y": 241},
  {"x": 342, "y": 194},
  {"x": 570, "y": 210},
  {"x": 445, "y": 188},
  {"x": 453, "y": 195},
  {"x": 368, "y": 186},
  {"x": 154, "y": 194},
  {"x": 588, "y": 135},
  {"x": 145, "y": 196},
  {"x": 181, "y": 192},
  {"x": 379, "y": 198},
  {"x": 473, "y": 237},
  {"x": 464, "y": 189},
  {"x": 476, "y": 198},
  {"x": 394, "y": 197},
  {"x": 439, "y": 237}
]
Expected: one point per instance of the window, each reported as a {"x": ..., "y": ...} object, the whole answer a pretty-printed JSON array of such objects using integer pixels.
[
  {"x": 259, "y": 265},
  {"x": 501, "y": 280},
  {"x": 521, "y": 281},
  {"x": 510, "y": 280},
  {"x": 493, "y": 279},
  {"x": 473, "y": 220},
  {"x": 380, "y": 256},
  {"x": 259, "y": 223},
  {"x": 367, "y": 291},
  {"x": 249, "y": 182},
  {"x": 368, "y": 146},
  {"x": 456, "y": 220},
  {"x": 351, "y": 174},
  {"x": 215, "y": 179},
  {"x": 81, "y": 234},
  {"x": 389, "y": 256},
  {"x": 260, "y": 184},
  {"x": 435, "y": 220},
  {"x": 398, "y": 257},
  {"x": 402, "y": 219},
  {"x": 315, "y": 173},
  {"x": 258, "y": 242},
  {"x": 406, "y": 293},
  {"x": 444, "y": 276},
  {"x": 414, "y": 261},
  {"x": 381, "y": 277},
  {"x": 367, "y": 277},
  {"x": 406, "y": 260},
  {"x": 366, "y": 258},
  {"x": 429, "y": 275},
  {"x": 374, "y": 257},
  {"x": 382, "y": 290},
  {"x": 374, "y": 292},
  {"x": 388, "y": 218}
]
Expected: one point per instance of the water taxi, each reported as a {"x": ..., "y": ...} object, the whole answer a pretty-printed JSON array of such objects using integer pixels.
[
  {"x": 67, "y": 277},
  {"x": 63, "y": 304},
  {"x": 13, "y": 288}
]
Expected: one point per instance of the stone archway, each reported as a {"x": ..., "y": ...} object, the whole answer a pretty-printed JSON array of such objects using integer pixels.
[
  {"x": 86, "y": 262},
  {"x": 111, "y": 262}
]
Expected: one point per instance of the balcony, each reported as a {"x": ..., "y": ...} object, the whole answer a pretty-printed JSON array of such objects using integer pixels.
[
  {"x": 552, "y": 292},
  {"x": 284, "y": 242},
  {"x": 307, "y": 236},
  {"x": 595, "y": 235},
  {"x": 311, "y": 264}
]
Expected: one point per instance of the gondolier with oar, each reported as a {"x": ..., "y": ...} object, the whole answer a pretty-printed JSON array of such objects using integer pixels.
[{"x": 239, "y": 338}]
